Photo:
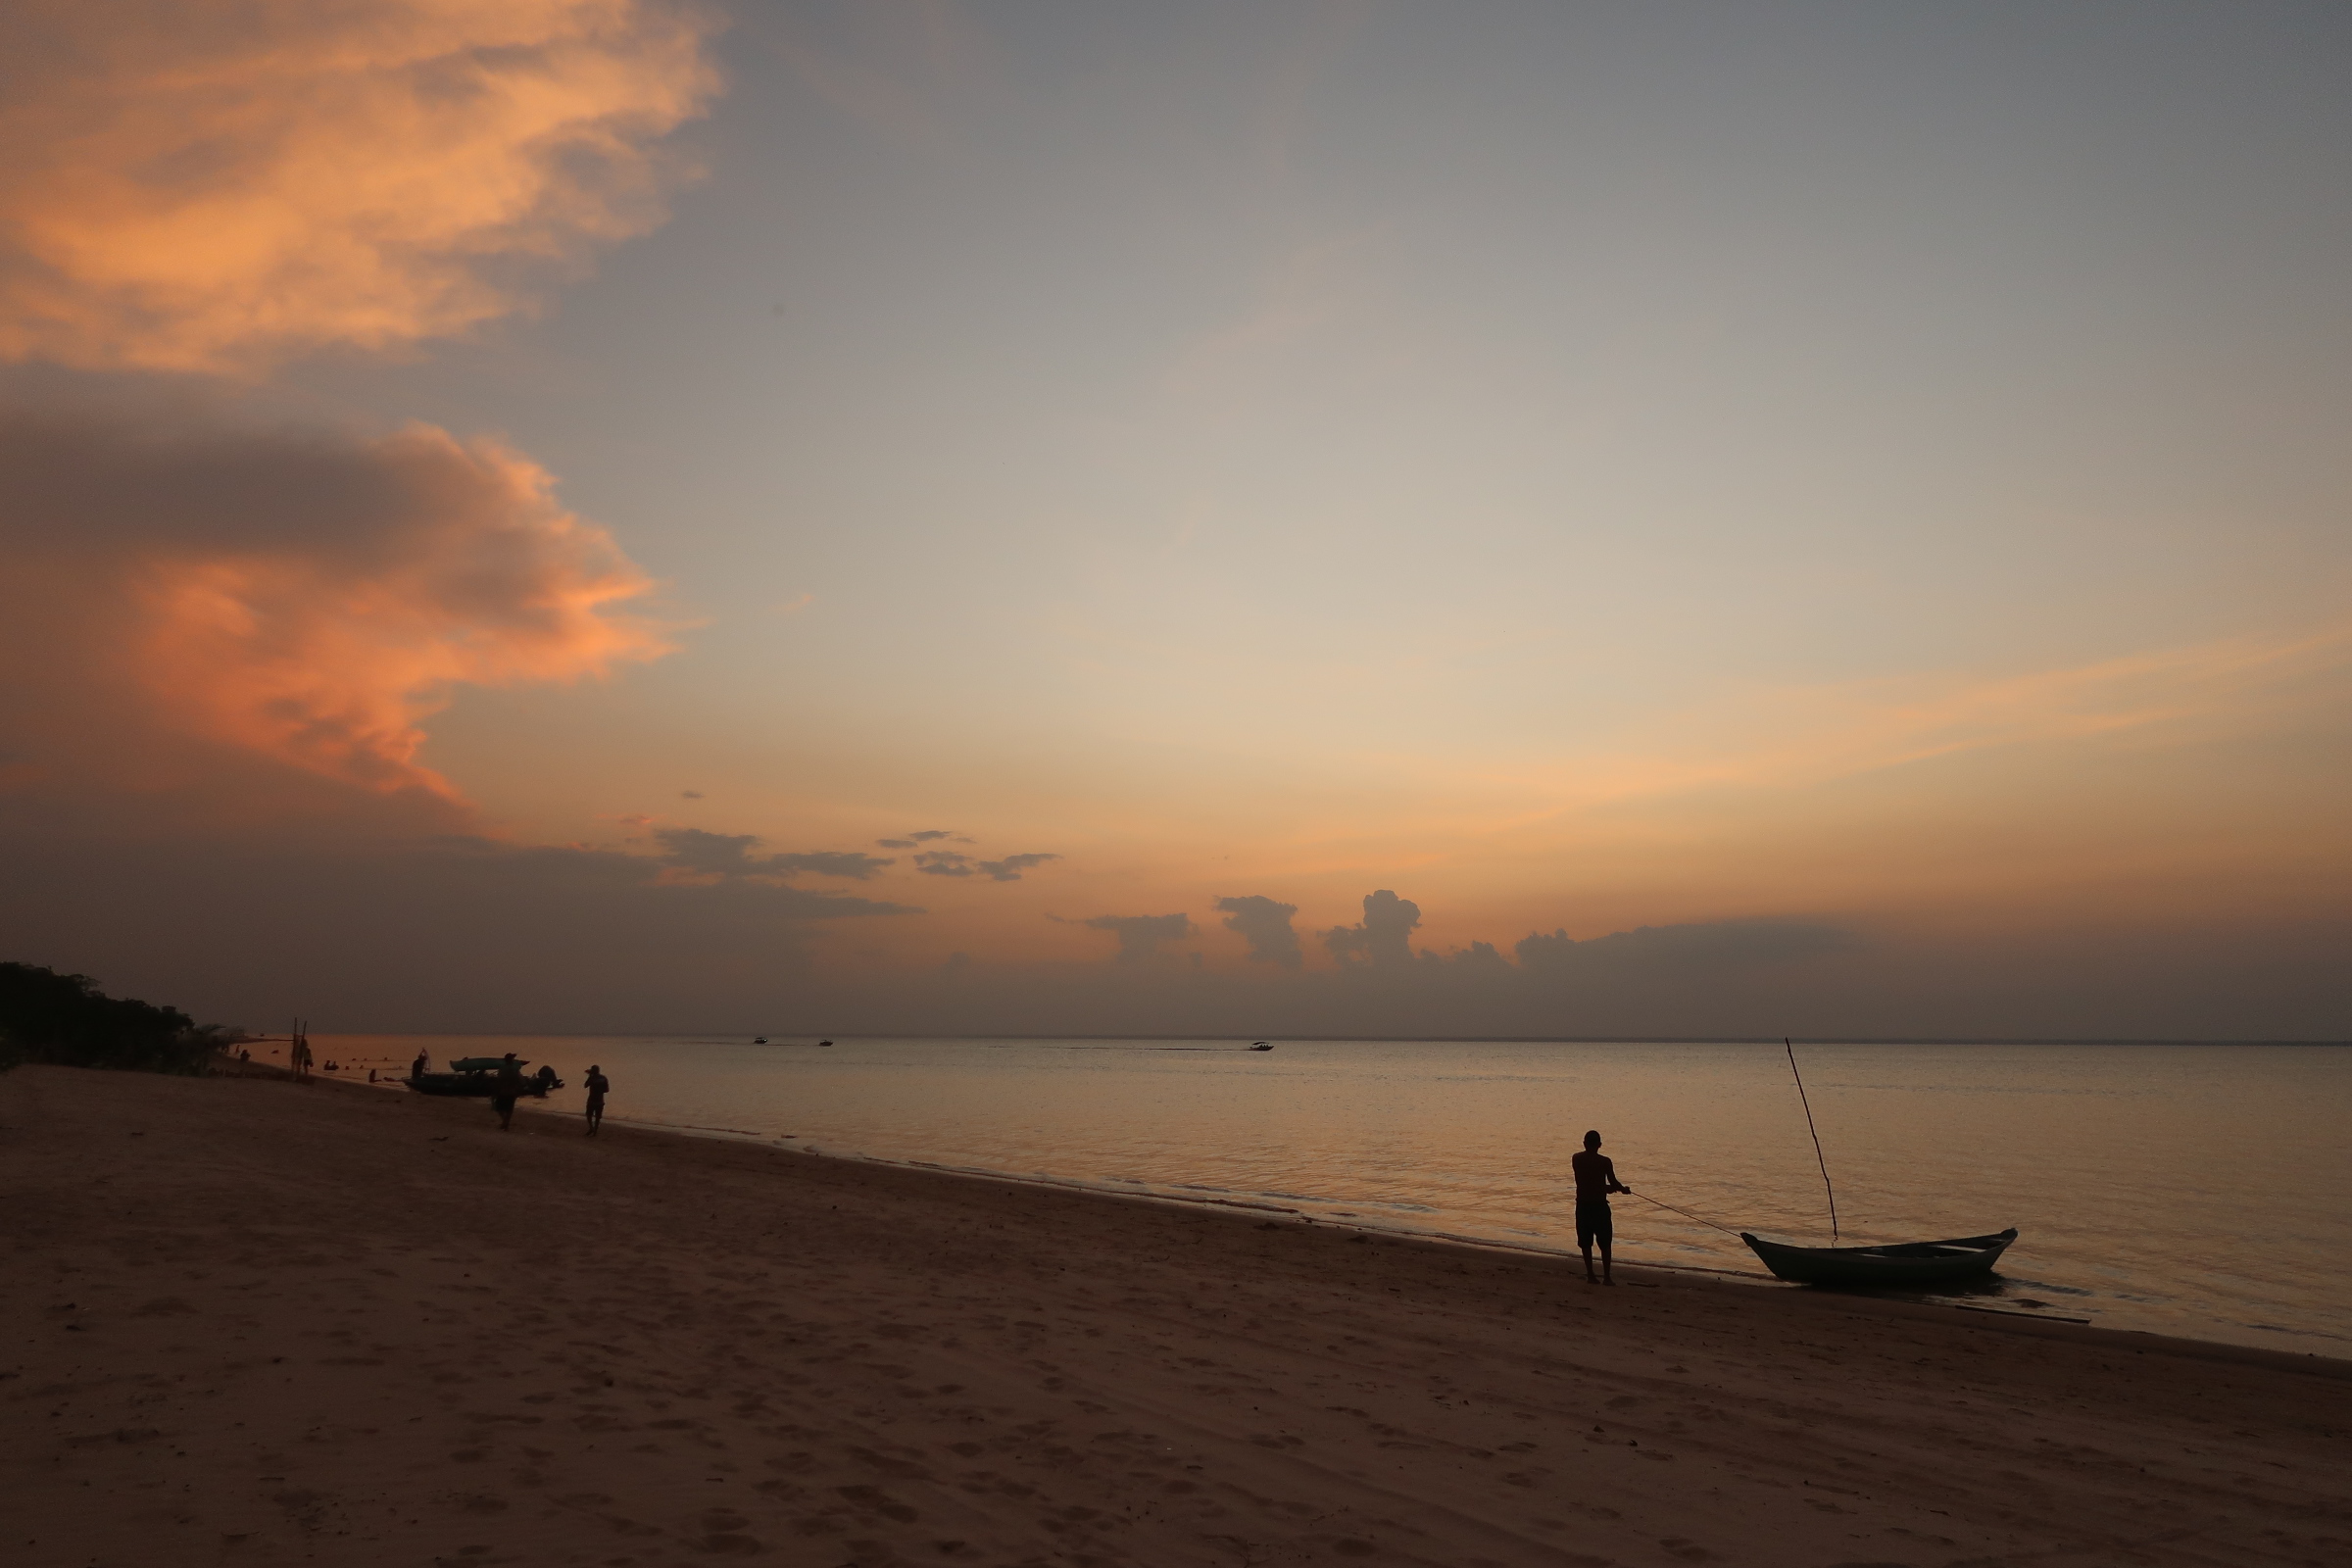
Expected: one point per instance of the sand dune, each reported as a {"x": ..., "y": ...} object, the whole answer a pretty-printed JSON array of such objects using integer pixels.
[{"x": 254, "y": 1323}]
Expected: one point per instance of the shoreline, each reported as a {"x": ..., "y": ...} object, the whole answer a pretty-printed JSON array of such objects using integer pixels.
[
  {"x": 1755, "y": 1278},
  {"x": 262, "y": 1323}
]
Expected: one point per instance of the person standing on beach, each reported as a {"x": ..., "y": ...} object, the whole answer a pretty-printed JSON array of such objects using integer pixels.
[
  {"x": 1596, "y": 1180},
  {"x": 503, "y": 1093},
  {"x": 598, "y": 1083},
  {"x": 416, "y": 1068}
]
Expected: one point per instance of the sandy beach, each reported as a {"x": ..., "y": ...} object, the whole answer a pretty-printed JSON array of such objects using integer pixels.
[{"x": 255, "y": 1322}]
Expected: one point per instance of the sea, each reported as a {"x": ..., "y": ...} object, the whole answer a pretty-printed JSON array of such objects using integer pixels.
[{"x": 2203, "y": 1191}]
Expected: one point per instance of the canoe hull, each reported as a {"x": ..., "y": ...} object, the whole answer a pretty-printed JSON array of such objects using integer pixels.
[
  {"x": 1903, "y": 1264},
  {"x": 479, "y": 1086}
]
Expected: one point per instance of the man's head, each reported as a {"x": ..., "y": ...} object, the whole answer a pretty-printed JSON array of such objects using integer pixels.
[{"x": 1592, "y": 1139}]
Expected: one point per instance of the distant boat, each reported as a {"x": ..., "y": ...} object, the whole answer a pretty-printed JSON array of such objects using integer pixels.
[
  {"x": 825, "y": 1042},
  {"x": 1262, "y": 1046},
  {"x": 758, "y": 1040},
  {"x": 1902, "y": 1263}
]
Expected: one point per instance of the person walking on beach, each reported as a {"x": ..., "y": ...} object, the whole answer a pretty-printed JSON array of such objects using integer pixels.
[
  {"x": 504, "y": 1092},
  {"x": 1596, "y": 1180},
  {"x": 598, "y": 1083}
]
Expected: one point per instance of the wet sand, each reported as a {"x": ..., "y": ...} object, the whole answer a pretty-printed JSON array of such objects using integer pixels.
[{"x": 250, "y": 1322}]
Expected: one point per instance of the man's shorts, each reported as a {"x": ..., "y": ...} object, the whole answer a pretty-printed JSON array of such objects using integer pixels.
[{"x": 1592, "y": 1225}]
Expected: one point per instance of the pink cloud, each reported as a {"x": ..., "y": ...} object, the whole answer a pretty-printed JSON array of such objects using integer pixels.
[
  {"x": 214, "y": 187},
  {"x": 309, "y": 599}
]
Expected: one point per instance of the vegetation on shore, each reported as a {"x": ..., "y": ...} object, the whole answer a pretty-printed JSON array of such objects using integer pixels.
[{"x": 66, "y": 1019}]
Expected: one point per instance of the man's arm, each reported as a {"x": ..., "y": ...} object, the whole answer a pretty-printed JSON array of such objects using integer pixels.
[{"x": 1616, "y": 1186}]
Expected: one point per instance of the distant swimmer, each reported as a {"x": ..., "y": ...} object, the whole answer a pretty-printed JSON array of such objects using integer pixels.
[
  {"x": 504, "y": 1092},
  {"x": 1596, "y": 1180},
  {"x": 598, "y": 1084}
]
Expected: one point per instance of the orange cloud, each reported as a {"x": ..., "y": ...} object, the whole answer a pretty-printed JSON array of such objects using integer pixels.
[
  {"x": 312, "y": 599},
  {"x": 214, "y": 187}
]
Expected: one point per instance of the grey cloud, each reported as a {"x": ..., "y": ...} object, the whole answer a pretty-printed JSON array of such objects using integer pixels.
[
  {"x": 1384, "y": 937},
  {"x": 943, "y": 862},
  {"x": 1476, "y": 955},
  {"x": 1140, "y": 935},
  {"x": 896, "y": 843},
  {"x": 1265, "y": 925},
  {"x": 690, "y": 794},
  {"x": 729, "y": 854},
  {"x": 828, "y": 862},
  {"x": 1697, "y": 948},
  {"x": 1009, "y": 868},
  {"x": 927, "y": 835},
  {"x": 451, "y": 933},
  {"x": 715, "y": 854}
]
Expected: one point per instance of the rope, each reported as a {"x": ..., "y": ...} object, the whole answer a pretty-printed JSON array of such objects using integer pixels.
[
  {"x": 1809, "y": 1127},
  {"x": 1685, "y": 1213}
]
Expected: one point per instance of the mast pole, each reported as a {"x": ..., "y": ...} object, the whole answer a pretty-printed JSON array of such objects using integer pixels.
[{"x": 1818, "y": 1159}]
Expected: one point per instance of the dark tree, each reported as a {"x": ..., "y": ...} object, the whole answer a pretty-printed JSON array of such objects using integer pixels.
[{"x": 65, "y": 1018}]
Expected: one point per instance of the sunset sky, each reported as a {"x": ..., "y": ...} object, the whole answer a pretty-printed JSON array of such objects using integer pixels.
[{"x": 1503, "y": 519}]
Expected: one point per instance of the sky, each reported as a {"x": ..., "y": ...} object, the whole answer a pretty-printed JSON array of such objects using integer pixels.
[{"x": 1319, "y": 519}]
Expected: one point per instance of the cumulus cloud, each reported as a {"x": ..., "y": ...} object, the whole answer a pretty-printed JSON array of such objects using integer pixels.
[
  {"x": 309, "y": 597},
  {"x": 691, "y": 848},
  {"x": 1383, "y": 938},
  {"x": 1140, "y": 935},
  {"x": 1265, "y": 925},
  {"x": 1009, "y": 868},
  {"x": 214, "y": 187}
]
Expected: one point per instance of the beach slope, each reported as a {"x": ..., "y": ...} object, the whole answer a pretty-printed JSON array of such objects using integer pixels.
[{"x": 250, "y": 1322}]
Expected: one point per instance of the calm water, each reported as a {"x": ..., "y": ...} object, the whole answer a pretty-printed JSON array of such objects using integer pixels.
[{"x": 2195, "y": 1190}]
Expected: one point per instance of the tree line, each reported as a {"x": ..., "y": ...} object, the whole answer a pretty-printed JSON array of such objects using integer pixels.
[{"x": 66, "y": 1019}]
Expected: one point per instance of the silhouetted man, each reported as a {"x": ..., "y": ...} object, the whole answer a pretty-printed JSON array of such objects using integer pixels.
[
  {"x": 505, "y": 1091},
  {"x": 1596, "y": 1180},
  {"x": 416, "y": 1068},
  {"x": 598, "y": 1083}
]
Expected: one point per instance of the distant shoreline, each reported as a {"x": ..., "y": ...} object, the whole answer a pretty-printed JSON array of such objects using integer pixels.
[{"x": 795, "y": 1037}]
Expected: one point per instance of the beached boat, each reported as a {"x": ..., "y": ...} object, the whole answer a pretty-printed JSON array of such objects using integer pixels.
[
  {"x": 479, "y": 1076},
  {"x": 1903, "y": 1263}
]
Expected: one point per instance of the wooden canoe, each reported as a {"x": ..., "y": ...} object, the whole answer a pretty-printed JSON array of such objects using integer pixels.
[
  {"x": 478, "y": 1085},
  {"x": 1902, "y": 1263}
]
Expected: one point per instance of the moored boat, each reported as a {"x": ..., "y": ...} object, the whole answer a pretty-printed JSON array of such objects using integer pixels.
[
  {"x": 1900, "y": 1263},
  {"x": 477, "y": 1076}
]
